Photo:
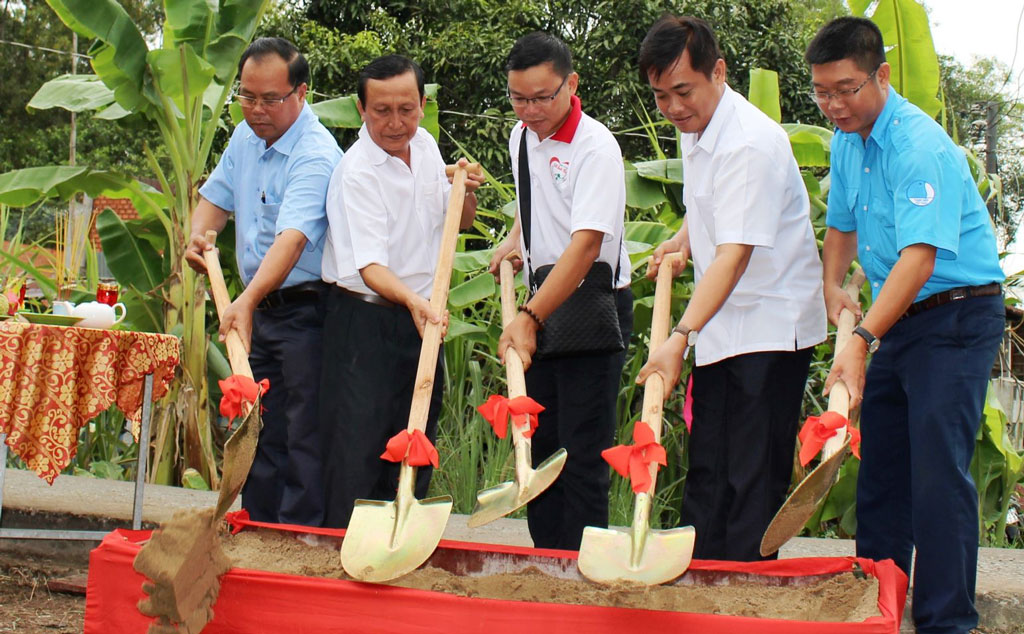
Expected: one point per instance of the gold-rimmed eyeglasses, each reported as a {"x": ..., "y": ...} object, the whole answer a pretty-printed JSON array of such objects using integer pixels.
[{"x": 823, "y": 98}]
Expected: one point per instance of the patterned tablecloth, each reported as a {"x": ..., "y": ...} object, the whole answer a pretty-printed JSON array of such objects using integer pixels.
[{"x": 53, "y": 380}]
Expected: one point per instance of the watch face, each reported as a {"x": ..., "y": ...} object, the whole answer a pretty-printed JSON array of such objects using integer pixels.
[{"x": 691, "y": 338}]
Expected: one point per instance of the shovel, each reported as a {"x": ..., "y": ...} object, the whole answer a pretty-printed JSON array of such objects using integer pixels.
[
  {"x": 805, "y": 498},
  {"x": 386, "y": 540},
  {"x": 506, "y": 497},
  {"x": 184, "y": 558},
  {"x": 240, "y": 449},
  {"x": 641, "y": 554}
]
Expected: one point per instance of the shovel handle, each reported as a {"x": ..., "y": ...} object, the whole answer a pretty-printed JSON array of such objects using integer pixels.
[
  {"x": 237, "y": 355},
  {"x": 839, "y": 396},
  {"x": 514, "y": 373},
  {"x": 471, "y": 168},
  {"x": 431, "y": 345},
  {"x": 654, "y": 387}
]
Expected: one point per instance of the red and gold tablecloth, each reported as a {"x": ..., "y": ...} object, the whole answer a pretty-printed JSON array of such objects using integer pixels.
[{"x": 53, "y": 380}]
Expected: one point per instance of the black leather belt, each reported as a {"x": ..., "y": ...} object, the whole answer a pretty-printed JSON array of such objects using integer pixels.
[
  {"x": 304, "y": 293},
  {"x": 365, "y": 297},
  {"x": 952, "y": 295}
]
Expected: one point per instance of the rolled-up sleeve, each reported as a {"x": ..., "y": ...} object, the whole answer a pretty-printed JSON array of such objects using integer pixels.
[{"x": 365, "y": 212}]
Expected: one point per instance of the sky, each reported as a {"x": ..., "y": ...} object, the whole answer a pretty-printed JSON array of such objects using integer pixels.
[{"x": 979, "y": 28}]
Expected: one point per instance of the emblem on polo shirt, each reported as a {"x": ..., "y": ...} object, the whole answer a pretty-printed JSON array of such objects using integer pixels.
[
  {"x": 559, "y": 170},
  {"x": 920, "y": 193}
]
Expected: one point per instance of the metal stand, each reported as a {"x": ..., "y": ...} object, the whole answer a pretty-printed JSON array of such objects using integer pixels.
[{"x": 140, "y": 478}]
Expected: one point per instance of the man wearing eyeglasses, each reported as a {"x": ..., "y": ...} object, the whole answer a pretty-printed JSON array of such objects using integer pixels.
[
  {"x": 273, "y": 178},
  {"x": 903, "y": 201},
  {"x": 757, "y": 303},
  {"x": 575, "y": 186}
]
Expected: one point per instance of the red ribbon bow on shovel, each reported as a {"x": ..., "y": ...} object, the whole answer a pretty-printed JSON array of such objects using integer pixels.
[
  {"x": 523, "y": 409},
  {"x": 415, "y": 444},
  {"x": 633, "y": 461},
  {"x": 239, "y": 389},
  {"x": 818, "y": 429}
]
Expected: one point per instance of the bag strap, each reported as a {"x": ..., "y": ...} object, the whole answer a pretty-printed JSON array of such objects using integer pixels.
[{"x": 525, "y": 209}]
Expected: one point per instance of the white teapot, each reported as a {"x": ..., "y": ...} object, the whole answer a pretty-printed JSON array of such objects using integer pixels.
[{"x": 96, "y": 314}]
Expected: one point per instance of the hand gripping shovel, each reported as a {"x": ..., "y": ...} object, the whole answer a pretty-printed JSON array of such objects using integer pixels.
[
  {"x": 240, "y": 449},
  {"x": 386, "y": 540},
  {"x": 641, "y": 554},
  {"x": 506, "y": 497},
  {"x": 805, "y": 498},
  {"x": 184, "y": 559}
]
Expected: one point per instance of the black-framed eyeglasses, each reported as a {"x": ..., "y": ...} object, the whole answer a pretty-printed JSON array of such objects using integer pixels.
[
  {"x": 823, "y": 98},
  {"x": 268, "y": 103},
  {"x": 535, "y": 101}
]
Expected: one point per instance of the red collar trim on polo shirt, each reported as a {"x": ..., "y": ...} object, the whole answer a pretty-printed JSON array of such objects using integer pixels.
[{"x": 566, "y": 133}]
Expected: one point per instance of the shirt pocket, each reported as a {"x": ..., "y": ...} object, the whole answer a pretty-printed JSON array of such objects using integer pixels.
[
  {"x": 266, "y": 226},
  {"x": 430, "y": 205},
  {"x": 883, "y": 230}
]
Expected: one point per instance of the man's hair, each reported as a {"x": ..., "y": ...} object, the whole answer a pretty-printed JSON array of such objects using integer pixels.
[
  {"x": 386, "y": 67},
  {"x": 669, "y": 37},
  {"x": 538, "y": 48},
  {"x": 298, "y": 67},
  {"x": 857, "y": 39}
]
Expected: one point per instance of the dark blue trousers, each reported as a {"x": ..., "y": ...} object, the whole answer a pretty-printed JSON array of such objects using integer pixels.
[
  {"x": 285, "y": 481},
  {"x": 922, "y": 407},
  {"x": 579, "y": 395}
]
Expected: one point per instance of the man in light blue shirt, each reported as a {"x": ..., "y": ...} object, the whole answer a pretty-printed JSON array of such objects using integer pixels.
[
  {"x": 273, "y": 178},
  {"x": 904, "y": 202}
]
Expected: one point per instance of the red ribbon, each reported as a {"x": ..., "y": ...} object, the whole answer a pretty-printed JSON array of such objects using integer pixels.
[
  {"x": 239, "y": 389},
  {"x": 523, "y": 409},
  {"x": 413, "y": 444},
  {"x": 633, "y": 461},
  {"x": 818, "y": 429}
]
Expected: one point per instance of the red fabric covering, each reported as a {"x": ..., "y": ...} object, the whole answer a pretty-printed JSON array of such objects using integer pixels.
[{"x": 254, "y": 602}]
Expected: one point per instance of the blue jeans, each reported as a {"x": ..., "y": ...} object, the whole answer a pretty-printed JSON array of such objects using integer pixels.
[{"x": 923, "y": 403}]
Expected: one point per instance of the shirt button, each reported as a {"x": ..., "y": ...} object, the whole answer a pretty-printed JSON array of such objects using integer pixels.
[
  {"x": 865, "y": 207},
  {"x": 867, "y": 170},
  {"x": 895, "y": 121},
  {"x": 876, "y": 284},
  {"x": 867, "y": 247}
]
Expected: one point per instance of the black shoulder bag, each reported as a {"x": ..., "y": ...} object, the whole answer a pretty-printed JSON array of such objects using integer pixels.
[{"x": 587, "y": 321}]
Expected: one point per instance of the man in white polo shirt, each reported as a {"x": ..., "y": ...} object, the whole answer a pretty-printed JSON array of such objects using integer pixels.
[
  {"x": 385, "y": 209},
  {"x": 574, "y": 217},
  {"x": 758, "y": 304}
]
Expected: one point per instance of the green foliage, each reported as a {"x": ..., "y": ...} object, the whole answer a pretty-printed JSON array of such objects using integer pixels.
[{"x": 996, "y": 469}]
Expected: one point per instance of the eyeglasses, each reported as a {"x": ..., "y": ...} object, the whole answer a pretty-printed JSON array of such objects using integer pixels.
[
  {"x": 522, "y": 102},
  {"x": 268, "y": 103},
  {"x": 822, "y": 98}
]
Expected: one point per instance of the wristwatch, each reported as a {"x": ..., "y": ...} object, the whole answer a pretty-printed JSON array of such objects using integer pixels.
[
  {"x": 688, "y": 334},
  {"x": 873, "y": 341}
]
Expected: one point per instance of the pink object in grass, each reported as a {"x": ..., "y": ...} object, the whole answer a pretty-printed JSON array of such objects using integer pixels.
[{"x": 688, "y": 405}]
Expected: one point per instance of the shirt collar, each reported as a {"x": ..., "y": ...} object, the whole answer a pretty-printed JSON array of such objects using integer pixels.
[
  {"x": 709, "y": 138},
  {"x": 286, "y": 143},
  {"x": 568, "y": 128},
  {"x": 881, "y": 127}
]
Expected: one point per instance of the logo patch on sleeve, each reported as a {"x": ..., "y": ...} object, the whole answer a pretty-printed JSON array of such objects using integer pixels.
[{"x": 920, "y": 193}]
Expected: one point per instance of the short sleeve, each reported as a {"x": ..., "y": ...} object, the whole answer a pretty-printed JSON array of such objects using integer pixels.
[
  {"x": 363, "y": 209},
  {"x": 305, "y": 195},
  {"x": 840, "y": 213},
  {"x": 749, "y": 185},
  {"x": 927, "y": 198},
  {"x": 599, "y": 193}
]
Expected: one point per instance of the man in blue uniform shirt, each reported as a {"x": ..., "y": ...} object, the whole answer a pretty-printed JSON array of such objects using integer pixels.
[
  {"x": 273, "y": 177},
  {"x": 904, "y": 202}
]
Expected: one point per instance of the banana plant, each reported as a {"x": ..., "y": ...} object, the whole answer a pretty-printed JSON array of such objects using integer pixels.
[{"x": 179, "y": 88}]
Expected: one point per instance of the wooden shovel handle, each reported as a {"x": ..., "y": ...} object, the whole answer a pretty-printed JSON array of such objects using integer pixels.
[
  {"x": 514, "y": 373},
  {"x": 839, "y": 396},
  {"x": 430, "y": 348},
  {"x": 237, "y": 355},
  {"x": 471, "y": 168}
]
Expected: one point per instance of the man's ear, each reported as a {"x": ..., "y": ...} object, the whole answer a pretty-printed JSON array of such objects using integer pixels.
[
  {"x": 884, "y": 74},
  {"x": 359, "y": 107}
]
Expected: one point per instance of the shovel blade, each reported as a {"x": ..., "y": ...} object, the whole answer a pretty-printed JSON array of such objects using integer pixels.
[
  {"x": 383, "y": 544},
  {"x": 802, "y": 502},
  {"x": 500, "y": 500},
  {"x": 606, "y": 555},
  {"x": 239, "y": 452}
]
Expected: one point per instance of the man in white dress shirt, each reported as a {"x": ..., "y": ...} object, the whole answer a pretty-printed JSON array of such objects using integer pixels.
[
  {"x": 385, "y": 209},
  {"x": 757, "y": 304}
]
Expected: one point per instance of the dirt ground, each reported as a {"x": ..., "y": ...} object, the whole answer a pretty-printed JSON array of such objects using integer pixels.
[{"x": 28, "y": 607}]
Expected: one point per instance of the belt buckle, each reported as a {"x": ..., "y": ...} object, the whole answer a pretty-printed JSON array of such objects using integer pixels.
[{"x": 957, "y": 294}]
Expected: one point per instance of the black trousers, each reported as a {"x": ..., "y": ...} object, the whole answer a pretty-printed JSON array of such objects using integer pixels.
[
  {"x": 369, "y": 369},
  {"x": 285, "y": 483},
  {"x": 579, "y": 395},
  {"x": 746, "y": 412}
]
